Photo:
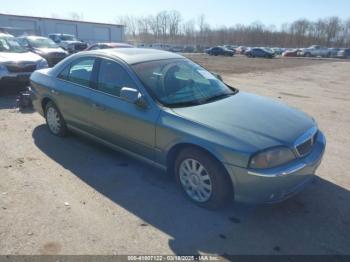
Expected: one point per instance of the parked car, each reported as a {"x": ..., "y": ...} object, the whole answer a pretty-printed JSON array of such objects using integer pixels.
[
  {"x": 68, "y": 42},
  {"x": 17, "y": 63},
  {"x": 315, "y": 51},
  {"x": 219, "y": 50},
  {"x": 189, "y": 49},
  {"x": 44, "y": 47},
  {"x": 108, "y": 45},
  {"x": 231, "y": 47},
  {"x": 259, "y": 52},
  {"x": 333, "y": 52},
  {"x": 221, "y": 144},
  {"x": 277, "y": 50},
  {"x": 177, "y": 49},
  {"x": 344, "y": 53},
  {"x": 241, "y": 50},
  {"x": 291, "y": 53}
]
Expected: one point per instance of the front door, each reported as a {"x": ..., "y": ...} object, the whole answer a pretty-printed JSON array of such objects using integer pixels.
[{"x": 118, "y": 121}]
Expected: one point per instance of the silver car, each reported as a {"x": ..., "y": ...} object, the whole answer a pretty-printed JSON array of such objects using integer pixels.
[
  {"x": 221, "y": 144},
  {"x": 17, "y": 63}
]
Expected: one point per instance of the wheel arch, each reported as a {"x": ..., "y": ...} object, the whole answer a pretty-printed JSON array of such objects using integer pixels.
[
  {"x": 177, "y": 148},
  {"x": 44, "y": 103}
]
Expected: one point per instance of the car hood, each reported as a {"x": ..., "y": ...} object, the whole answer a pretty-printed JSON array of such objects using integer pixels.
[
  {"x": 19, "y": 57},
  {"x": 258, "y": 122},
  {"x": 71, "y": 42}
]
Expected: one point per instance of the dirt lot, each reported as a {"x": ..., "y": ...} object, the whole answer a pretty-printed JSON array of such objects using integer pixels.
[{"x": 71, "y": 196}]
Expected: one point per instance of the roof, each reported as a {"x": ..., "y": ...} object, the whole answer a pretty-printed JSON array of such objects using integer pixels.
[
  {"x": 113, "y": 44},
  {"x": 32, "y": 37},
  {"x": 138, "y": 55},
  {"x": 60, "y": 19}
]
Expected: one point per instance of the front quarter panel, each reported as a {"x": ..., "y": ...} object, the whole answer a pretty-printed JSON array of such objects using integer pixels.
[{"x": 172, "y": 130}]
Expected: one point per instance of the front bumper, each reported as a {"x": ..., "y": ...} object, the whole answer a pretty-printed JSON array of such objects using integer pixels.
[
  {"x": 20, "y": 77},
  {"x": 277, "y": 184}
]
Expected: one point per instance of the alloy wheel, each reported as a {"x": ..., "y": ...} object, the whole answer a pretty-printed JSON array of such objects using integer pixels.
[
  {"x": 53, "y": 120},
  {"x": 195, "y": 180}
]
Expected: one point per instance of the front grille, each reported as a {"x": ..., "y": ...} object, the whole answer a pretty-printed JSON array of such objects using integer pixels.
[
  {"x": 306, "y": 147},
  {"x": 17, "y": 68},
  {"x": 80, "y": 47},
  {"x": 57, "y": 55}
]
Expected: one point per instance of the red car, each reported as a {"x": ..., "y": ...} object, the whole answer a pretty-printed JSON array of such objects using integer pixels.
[
  {"x": 291, "y": 53},
  {"x": 107, "y": 46}
]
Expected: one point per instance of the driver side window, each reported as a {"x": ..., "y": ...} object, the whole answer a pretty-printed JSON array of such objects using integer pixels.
[{"x": 112, "y": 78}]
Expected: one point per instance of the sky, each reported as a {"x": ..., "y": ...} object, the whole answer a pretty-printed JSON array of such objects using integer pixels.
[{"x": 217, "y": 12}]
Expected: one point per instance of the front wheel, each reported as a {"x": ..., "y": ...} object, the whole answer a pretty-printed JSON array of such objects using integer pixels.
[
  {"x": 202, "y": 178},
  {"x": 54, "y": 120}
]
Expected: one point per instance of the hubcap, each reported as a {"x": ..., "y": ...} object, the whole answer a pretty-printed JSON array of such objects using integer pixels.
[
  {"x": 53, "y": 120},
  {"x": 195, "y": 180}
]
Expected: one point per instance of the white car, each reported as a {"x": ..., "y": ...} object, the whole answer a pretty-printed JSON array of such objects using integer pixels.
[
  {"x": 315, "y": 51},
  {"x": 16, "y": 62}
]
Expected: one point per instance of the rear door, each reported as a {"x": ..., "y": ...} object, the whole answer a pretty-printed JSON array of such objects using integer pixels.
[
  {"x": 75, "y": 91},
  {"x": 118, "y": 121}
]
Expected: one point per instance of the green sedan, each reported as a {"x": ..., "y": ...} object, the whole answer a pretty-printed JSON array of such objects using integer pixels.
[{"x": 219, "y": 143}]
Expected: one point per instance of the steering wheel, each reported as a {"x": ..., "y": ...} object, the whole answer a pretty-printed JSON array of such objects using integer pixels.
[{"x": 171, "y": 90}]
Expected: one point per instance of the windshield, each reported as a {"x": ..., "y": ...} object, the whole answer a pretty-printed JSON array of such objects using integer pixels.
[
  {"x": 180, "y": 82},
  {"x": 68, "y": 38},
  {"x": 42, "y": 43},
  {"x": 10, "y": 45}
]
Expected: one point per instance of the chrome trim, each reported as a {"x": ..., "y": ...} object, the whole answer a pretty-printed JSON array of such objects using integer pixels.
[
  {"x": 304, "y": 138},
  {"x": 286, "y": 172}
]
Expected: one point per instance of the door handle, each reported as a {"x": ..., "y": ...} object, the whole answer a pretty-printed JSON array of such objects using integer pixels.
[{"x": 98, "y": 106}]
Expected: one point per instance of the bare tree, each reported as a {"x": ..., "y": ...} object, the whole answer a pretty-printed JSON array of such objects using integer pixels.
[
  {"x": 130, "y": 23},
  {"x": 168, "y": 27},
  {"x": 174, "y": 20}
]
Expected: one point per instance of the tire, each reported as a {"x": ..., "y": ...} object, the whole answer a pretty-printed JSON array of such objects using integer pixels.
[
  {"x": 55, "y": 121},
  {"x": 211, "y": 188}
]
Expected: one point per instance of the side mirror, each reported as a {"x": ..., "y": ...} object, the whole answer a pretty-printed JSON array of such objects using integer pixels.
[
  {"x": 217, "y": 76},
  {"x": 133, "y": 96}
]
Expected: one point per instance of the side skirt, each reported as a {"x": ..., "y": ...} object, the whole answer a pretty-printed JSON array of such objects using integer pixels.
[{"x": 116, "y": 148}]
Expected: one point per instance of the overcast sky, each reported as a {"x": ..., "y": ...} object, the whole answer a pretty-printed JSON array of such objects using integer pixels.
[{"x": 217, "y": 12}]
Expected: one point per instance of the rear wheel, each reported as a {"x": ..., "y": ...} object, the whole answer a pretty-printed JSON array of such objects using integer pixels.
[
  {"x": 203, "y": 180},
  {"x": 54, "y": 120}
]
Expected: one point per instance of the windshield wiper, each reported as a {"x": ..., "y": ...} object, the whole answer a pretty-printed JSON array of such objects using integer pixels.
[
  {"x": 183, "y": 104},
  {"x": 216, "y": 98}
]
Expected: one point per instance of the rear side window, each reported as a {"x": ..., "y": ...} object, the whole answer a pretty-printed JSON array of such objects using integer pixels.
[
  {"x": 64, "y": 74},
  {"x": 112, "y": 78},
  {"x": 79, "y": 72}
]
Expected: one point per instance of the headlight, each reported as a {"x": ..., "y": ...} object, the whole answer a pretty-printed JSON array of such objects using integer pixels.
[
  {"x": 272, "y": 158},
  {"x": 42, "y": 64}
]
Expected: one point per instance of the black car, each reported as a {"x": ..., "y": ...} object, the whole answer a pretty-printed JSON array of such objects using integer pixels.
[
  {"x": 259, "y": 52},
  {"x": 219, "y": 50},
  {"x": 44, "y": 47},
  {"x": 344, "y": 53}
]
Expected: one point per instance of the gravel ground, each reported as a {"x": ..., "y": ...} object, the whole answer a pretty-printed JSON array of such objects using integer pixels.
[{"x": 72, "y": 196}]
